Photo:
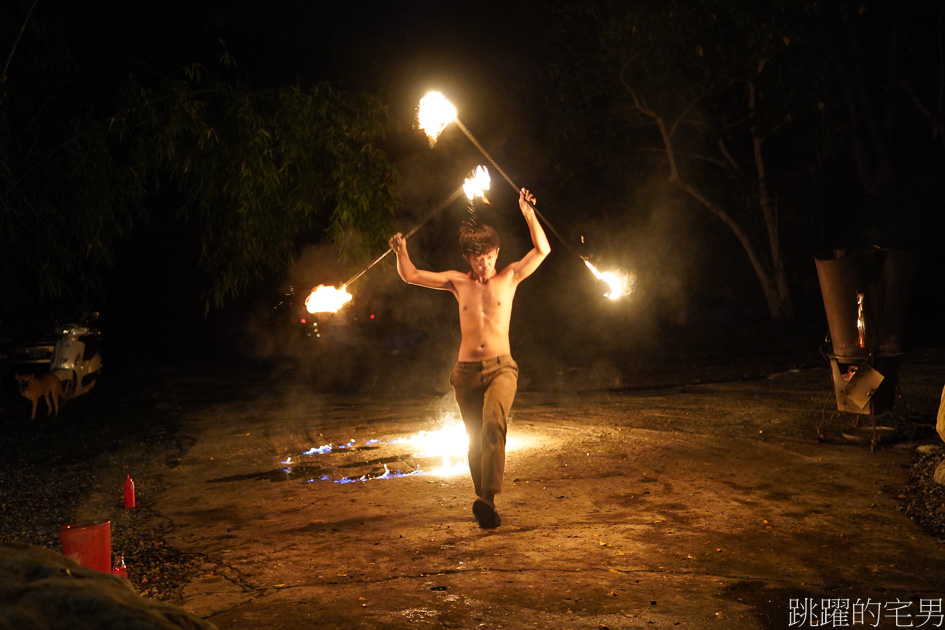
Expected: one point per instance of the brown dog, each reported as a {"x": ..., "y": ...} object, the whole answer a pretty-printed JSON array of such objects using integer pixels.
[{"x": 46, "y": 386}]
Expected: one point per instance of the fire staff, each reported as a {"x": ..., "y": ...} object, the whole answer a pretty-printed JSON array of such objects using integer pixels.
[{"x": 485, "y": 377}]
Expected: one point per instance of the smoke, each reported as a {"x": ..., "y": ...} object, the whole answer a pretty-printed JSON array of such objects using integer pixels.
[
  {"x": 563, "y": 323},
  {"x": 398, "y": 339},
  {"x": 391, "y": 338}
]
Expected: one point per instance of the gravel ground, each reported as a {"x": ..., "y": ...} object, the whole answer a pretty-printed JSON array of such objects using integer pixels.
[
  {"x": 925, "y": 499},
  {"x": 72, "y": 470}
]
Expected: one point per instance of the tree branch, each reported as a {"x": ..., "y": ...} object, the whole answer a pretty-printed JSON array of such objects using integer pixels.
[
  {"x": 728, "y": 157},
  {"x": 938, "y": 125},
  {"x": 16, "y": 43},
  {"x": 682, "y": 114}
]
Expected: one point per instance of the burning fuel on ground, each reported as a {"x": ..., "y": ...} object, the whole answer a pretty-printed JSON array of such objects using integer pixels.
[{"x": 446, "y": 445}]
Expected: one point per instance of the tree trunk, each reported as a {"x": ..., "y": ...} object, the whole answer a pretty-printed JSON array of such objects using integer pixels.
[
  {"x": 784, "y": 304},
  {"x": 771, "y": 275}
]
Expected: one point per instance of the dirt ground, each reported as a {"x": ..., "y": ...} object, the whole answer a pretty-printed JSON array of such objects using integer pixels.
[{"x": 684, "y": 504}]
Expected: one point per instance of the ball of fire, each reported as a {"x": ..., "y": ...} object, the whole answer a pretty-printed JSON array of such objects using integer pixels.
[
  {"x": 477, "y": 183},
  {"x": 620, "y": 284},
  {"x": 434, "y": 114},
  {"x": 325, "y": 299}
]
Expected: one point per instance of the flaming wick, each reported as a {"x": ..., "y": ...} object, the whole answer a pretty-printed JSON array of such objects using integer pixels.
[
  {"x": 619, "y": 284},
  {"x": 477, "y": 183},
  {"x": 325, "y": 299},
  {"x": 434, "y": 115},
  {"x": 475, "y": 188}
]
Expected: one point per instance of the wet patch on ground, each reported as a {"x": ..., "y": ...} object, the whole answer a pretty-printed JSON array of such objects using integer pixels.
[{"x": 289, "y": 473}]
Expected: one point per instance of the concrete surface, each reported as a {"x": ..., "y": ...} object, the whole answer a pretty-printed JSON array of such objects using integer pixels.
[{"x": 698, "y": 506}]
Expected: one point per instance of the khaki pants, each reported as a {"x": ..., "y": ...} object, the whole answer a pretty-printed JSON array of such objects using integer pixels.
[{"x": 485, "y": 391}]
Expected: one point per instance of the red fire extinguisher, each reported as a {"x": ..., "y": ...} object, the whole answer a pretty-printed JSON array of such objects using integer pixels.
[{"x": 129, "y": 492}]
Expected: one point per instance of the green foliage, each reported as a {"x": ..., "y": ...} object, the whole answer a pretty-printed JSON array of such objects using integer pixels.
[
  {"x": 65, "y": 201},
  {"x": 258, "y": 170},
  {"x": 254, "y": 173}
]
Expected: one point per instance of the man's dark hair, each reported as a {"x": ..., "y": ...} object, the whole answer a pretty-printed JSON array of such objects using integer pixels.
[{"x": 477, "y": 239}]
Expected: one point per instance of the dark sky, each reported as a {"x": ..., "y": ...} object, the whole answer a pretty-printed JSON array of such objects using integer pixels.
[{"x": 396, "y": 49}]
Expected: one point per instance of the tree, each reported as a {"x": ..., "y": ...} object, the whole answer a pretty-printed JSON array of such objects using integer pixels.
[
  {"x": 64, "y": 199},
  {"x": 709, "y": 86},
  {"x": 83, "y": 157},
  {"x": 257, "y": 170}
]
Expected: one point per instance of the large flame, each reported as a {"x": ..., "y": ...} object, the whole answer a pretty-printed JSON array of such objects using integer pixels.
[
  {"x": 325, "y": 299},
  {"x": 449, "y": 443},
  {"x": 477, "y": 183},
  {"x": 619, "y": 283},
  {"x": 434, "y": 114}
]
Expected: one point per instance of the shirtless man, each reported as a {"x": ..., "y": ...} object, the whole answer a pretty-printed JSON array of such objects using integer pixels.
[{"x": 485, "y": 377}]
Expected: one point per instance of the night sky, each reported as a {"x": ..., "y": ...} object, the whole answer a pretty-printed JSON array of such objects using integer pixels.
[{"x": 396, "y": 49}]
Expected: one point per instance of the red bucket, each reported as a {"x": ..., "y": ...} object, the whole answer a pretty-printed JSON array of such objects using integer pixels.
[{"x": 89, "y": 545}]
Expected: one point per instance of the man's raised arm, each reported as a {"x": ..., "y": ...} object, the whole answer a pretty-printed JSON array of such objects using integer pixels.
[
  {"x": 541, "y": 247},
  {"x": 409, "y": 272}
]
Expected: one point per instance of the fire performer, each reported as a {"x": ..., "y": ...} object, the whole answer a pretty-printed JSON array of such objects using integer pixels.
[{"x": 485, "y": 377}]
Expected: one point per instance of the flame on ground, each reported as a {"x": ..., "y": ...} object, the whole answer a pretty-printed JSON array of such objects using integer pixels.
[
  {"x": 449, "y": 443},
  {"x": 434, "y": 114},
  {"x": 477, "y": 183},
  {"x": 386, "y": 475},
  {"x": 620, "y": 284},
  {"x": 325, "y": 299}
]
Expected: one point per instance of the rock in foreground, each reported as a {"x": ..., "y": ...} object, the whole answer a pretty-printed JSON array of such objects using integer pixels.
[{"x": 43, "y": 590}]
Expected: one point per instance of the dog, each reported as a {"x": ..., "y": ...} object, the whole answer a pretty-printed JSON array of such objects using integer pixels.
[{"x": 45, "y": 386}]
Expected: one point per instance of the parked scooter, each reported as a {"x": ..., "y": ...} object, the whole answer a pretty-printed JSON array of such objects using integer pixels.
[
  {"x": 77, "y": 359},
  {"x": 71, "y": 351}
]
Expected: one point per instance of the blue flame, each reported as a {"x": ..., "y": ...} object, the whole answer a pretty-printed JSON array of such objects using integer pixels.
[
  {"x": 387, "y": 474},
  {"x": 318, "y": 450}
]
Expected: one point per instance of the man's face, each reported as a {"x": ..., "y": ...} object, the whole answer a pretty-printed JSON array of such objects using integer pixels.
[{"x": 483, "y": 265}]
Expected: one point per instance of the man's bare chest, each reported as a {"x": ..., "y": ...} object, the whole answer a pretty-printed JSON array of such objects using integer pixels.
[{"x": 486, "y": 298}]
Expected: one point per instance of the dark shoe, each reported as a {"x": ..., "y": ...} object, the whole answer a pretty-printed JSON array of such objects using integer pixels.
[{"x": 485, "y": 514}]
